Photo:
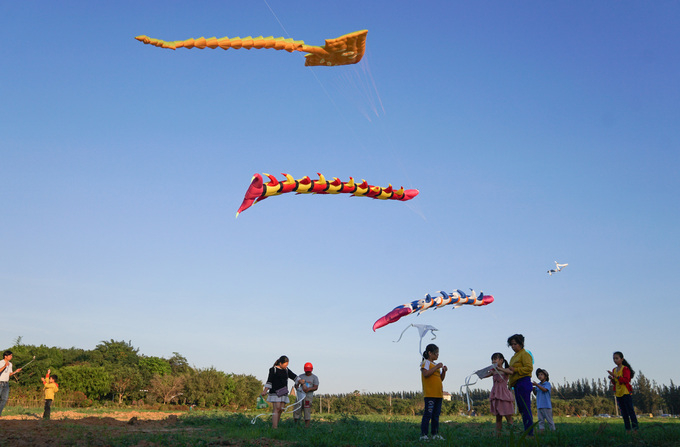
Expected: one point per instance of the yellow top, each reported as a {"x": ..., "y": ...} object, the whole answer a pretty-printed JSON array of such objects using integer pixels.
[
  {"x": 432, "y": 385},
  {"x": 621, "y": 386},
  {"x": 50, "y": 389},
  {"x": 523, "y": 365}
]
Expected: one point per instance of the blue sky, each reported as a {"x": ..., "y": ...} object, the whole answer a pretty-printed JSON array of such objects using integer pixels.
[{"x": 535, "y": 132}]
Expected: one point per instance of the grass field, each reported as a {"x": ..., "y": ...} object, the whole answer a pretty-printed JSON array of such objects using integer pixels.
[{"x": 93, "y": 427}]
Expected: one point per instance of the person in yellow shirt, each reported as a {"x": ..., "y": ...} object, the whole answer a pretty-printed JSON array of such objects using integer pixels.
[
  {"x": 433, "y": 391},
  {"x": 50, "y": 387},
  {"x": 620, "y": 378},
  {"x": 522, "y": 366}
]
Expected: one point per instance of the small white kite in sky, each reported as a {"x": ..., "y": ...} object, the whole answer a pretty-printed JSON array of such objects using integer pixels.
[{"x": 558, "y": 268}]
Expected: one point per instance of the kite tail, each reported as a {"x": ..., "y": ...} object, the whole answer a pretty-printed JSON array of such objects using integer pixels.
[
  {"x": 276, "y": 43},
  {"x": 344, "y": 50},
  {"x": 402, "y": 333},
  {"x": 306, "y": 185}
]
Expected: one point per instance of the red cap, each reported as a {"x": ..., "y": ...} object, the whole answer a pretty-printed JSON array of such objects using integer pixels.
[{"x": 308, "y": 367}]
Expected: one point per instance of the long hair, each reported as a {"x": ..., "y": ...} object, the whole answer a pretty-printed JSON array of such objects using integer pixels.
[
  {"x": 625, "y": 363},
  {"x": 281, "y": 360}
]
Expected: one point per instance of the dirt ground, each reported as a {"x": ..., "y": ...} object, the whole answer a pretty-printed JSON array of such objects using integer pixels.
[
  {"x": 70, "y": 428},
  {"x": 32, "y": 430}
]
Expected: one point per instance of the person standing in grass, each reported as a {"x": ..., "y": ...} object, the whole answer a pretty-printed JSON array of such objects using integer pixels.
[
  {"x": 620, "y": 378},
  {"x": 433, "y": 391},
  {"x": 311, "y": 384},
  {"x": 5, "y": 373},
  {"x": 277, "y": 387},
  {"x": 542, "y": 390},
  {"x": 522, "y": 365},
  {"x": 501, "y": 400},
  {"x": 50, "y": 387}
]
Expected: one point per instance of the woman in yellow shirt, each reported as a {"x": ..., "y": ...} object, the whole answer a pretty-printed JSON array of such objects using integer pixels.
[
  {"x": 620, "y": 378},
  {"x": 522, "y": 366}
]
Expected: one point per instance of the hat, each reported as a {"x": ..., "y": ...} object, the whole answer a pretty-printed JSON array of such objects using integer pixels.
[
  {"x": 539, "y": 370},
  {"x": 308, "y": 367}
]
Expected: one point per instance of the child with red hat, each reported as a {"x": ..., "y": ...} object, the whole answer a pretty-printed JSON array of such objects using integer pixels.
[{"x": 305, "y": 393}]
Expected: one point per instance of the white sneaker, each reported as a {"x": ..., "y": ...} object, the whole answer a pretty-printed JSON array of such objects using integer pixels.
[
  {"x": 437, "y": 437},
  {"x": 424, "y": 438}
]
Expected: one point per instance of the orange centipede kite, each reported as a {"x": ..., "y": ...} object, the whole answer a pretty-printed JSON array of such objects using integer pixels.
[
  {"x": 259, "y": 190},
  {"x": 343, "y": 50}
]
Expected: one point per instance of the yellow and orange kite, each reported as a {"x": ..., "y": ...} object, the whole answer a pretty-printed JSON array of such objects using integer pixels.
[{"x": 343, "y": 50}]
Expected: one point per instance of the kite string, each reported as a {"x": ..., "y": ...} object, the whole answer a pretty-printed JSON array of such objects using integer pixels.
[
  {"x": 277, "y": 19},
  {"x": 300, "y": 399},
  {"x": 367, "y": 93},
  {"x": 330, "y": 98}
]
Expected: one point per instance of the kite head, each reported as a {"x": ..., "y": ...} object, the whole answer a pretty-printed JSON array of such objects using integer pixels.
[
  {"x": 486, "y": 299},
  {"x": 391, "y": 317},
  {"x": 308, "y": 367},
  {"x": 252, "y": 194},
  {"x": 343, "y": 50},
  {"x": 410, "y": 193}
]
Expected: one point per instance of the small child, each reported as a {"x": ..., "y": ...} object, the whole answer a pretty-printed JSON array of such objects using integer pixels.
[
  {"x": 542, "y": 391},
  {"x": 433, "y": 391},
  {"x": 311, "y": 384},
  {"x": 501, "y": 400},
  {"x": 50, "y": 386}
]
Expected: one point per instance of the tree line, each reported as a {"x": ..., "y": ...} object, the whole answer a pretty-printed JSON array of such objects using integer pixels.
[{"x": 115, "y": 371}]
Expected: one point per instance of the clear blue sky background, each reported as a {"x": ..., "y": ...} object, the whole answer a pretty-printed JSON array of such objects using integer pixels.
[{"x": 535, "y": 132}]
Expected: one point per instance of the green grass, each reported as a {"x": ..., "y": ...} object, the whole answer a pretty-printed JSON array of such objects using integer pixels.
[
  {"x": 459, "y": 431},
  {"x": 200, "y": 428}
]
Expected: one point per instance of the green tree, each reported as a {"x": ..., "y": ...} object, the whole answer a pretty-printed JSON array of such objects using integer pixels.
[
  {"x": 151, "y": 366},
  {"x": 246, "y": 390},
  {"x": 114, "y": 352},
  {"x": 74, "y": 356},
  {"x": 646, "y": 398},
  {"x": 178, "y": 363},
  {"x": 671, "y": 397},
  {"x": 209, "y": 388},
  {"x": 94, "y": 381},
  {"x": 125, "y": 380},
  {"x": 45, "y": 358}
]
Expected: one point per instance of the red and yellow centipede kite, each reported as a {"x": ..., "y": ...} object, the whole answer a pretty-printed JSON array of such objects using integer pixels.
[
  {"x": 343, "y": 50},
  {"x": 258, "y": 190}
]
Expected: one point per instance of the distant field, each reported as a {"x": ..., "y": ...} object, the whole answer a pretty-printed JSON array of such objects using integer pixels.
[{"x": 23, "y": 427}]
